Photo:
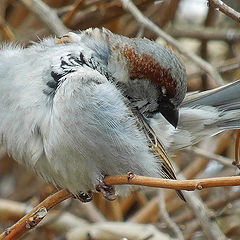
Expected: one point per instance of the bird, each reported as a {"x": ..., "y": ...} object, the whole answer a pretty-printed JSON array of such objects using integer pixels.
[
  {"x": 92, "y": 104},
  {"x": 200, "y": 114},
  {"x": 76, "y": 109}
]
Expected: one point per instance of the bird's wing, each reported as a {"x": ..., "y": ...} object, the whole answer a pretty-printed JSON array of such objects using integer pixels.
[
  {"x": 159, "y": 150},
  {"x": 220, "y": 96}
]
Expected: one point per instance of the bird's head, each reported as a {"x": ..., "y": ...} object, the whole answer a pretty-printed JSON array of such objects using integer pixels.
[
  {"x": 153, "y": 77},
  {"x": 157, "y": 74}
]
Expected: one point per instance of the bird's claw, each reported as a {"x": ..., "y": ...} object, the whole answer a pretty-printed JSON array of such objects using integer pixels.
[
  {"x": 85, "y": 197},
  {"x": 107, "y": 191}
]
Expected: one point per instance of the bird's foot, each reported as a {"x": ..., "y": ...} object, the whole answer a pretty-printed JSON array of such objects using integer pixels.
[
  {"x": 107, "y": 191},
  {"x": 64, "y": 39},
  {"x": 85, "y": 197}
]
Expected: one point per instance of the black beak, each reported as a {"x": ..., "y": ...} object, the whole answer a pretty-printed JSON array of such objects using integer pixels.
[{"x": 170, "y": 112}]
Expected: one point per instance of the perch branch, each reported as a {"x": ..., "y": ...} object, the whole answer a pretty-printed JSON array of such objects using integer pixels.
[
  {"x": 38, "y": 213},
  {"x": 189, "y": 185}
]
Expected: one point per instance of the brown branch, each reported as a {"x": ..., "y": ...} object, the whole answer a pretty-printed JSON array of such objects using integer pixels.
[
  {"x": 228, "y": 35},
  {"x": 46, "y": 15},
  {"x": 11, "y": 210},
  {"x": 69, "y": 15},
  {"x": 96, "y": 17},
  {"x": 189, "y": 185},
  {"x": 35, "y": 216},
  {"x": 215, "y": 203},
  {"x": 218, "y": 4},
  {"x": 5, "y": 30},
  {"x": 208, "y": 68},
  {"x": 192, "y": 170},
  {"x": 236, "y": 162},
  {"x": 203, "y": 153},
  {"x": 227, "y": 66}
]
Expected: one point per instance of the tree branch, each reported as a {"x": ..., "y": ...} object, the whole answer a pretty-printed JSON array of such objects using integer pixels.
[
  {"x": 38, "y": 213},
  {"x": 218, "y": 4},
  {"x": 189, "y": 185},
  {"x": 163, "y": 212},
  {"x": 46, "y": 15},
  {"x": 35, "y": 216},
  {"x": 208, "y": 68}
]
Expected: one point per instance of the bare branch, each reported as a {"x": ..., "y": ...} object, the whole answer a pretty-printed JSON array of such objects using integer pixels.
[
  {"x": 23, "y": 224},
  {"x": 236, "y": 162},
  {"x": 5, "y": 30},
  {"x": 215, "y": 203},
  {"x": 35, "y": 216},
  {"x": 218, "y": 4},
  {"x": 201, "y": 213},
  {"x": 189, "y": 185},
  {"x": 208, "y": 68},
  {"x": 229, "y": 35},
  {"x": 223, "y": 160},
  {"x": 166, "y": 217},
  {"x": 46, "y": 15}
]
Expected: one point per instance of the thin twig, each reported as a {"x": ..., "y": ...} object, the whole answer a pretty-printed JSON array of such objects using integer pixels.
[
  {"x": 215, "y": 203},
  {"x": 236, "y": 162},
  {"x": 227, "y": 66},
  {"x": 5, "y": 30},
  {"x": 209, "y": 227},
  {"x": 201, "y": 152},
  {"x": 218, "y": 4},
  {"x": 163, "y": 212},
  {"x": 189, "y": 185},
  {"x": 22, "y": 225},
  {"x": 208, "y": 68},
  {"x": 69, "y": 15},
  {"x": 191, "y": 171},
  {"x": 26, "y": 223},
  {"x": 207, "y": 33},
  {"x": 46, "y": 15}
]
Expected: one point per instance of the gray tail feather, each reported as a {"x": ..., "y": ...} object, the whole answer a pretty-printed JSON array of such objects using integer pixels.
[{"x": 226, "y": 99}]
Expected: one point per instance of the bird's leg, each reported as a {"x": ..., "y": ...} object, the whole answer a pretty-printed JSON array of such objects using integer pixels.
[
  {"x": 85, "y": 197},
  {"x": 107, "y": 191}
]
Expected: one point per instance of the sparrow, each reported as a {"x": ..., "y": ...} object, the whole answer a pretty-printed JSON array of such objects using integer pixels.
[
  {"x": 78, "y": 108},
  {"x": 200, "y": 114}
]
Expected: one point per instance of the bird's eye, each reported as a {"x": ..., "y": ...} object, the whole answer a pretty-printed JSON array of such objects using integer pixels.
[{"x": 164, "y": 91}]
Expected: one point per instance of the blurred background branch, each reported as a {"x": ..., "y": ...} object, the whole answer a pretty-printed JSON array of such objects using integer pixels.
[{"x": 197, "y": 31}]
